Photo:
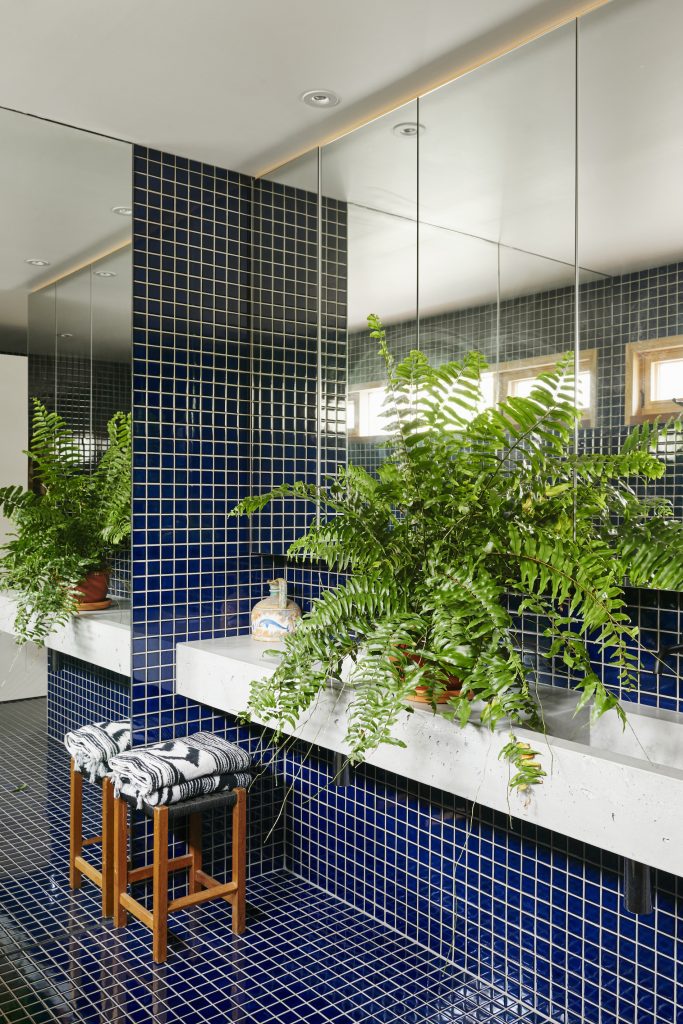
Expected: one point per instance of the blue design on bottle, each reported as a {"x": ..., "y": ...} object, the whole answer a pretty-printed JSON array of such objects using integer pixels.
[{"x": 275, "y": 615}]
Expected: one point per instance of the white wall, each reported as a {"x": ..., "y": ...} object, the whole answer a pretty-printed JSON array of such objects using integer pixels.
[{"x": 23, "y": 671}]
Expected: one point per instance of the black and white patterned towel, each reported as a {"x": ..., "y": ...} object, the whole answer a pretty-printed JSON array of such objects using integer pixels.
[
  {"x": 150, "y": 769},
  {"x": 93, "y": 746},
  {"x": 190, "y": 790}
]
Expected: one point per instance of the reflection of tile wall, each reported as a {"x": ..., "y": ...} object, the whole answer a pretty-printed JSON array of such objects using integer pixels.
[
  {"x": 285, "y": 352},
  {"x": 66, "y": 383},
  {"x": 614, "y": 311}
]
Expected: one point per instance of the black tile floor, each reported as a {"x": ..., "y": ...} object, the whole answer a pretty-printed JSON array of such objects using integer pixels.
[{"x": 306, "y": 958}]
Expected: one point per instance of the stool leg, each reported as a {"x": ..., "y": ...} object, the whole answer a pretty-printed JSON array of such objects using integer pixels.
[
  {"x": 120, "y": 879},
  {"x": 160, "y": 885},
  {"x": 194, "y": 841},
  {"x": 107, "y": 848},
  {"x": 239, "y": 861},
  {"x": 75, "y": 827}
]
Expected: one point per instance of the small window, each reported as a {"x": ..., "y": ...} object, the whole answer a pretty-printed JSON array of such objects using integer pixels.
[
  {"x": 351, "y": 415},
  {"x": 516, "y": 379},
  {"x": 654, "y": 379},
  {"x": 364, "y": 412},
  {"x": 365, "y": 409}
]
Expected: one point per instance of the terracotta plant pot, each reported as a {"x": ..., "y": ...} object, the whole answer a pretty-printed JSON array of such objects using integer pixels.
[
  {"x": 420, "y": 694},
  {"x": 93, "y": 591}
]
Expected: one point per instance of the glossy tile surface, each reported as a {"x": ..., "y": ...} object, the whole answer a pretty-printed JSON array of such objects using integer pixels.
[{"x": 306, "y": 957}]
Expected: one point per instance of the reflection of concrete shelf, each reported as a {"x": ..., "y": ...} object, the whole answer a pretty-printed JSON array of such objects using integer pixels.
[
  {"x": 100, "y": 638},
  {"x": 601, "y": 788}
]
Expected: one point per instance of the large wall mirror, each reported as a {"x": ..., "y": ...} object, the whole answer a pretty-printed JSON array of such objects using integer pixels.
[
  {"x": 65, "y": 289},
  {"x": 461, "y": 227},
  {"x": 506, "y": 213},
  {"x": 630, "y": 217}
]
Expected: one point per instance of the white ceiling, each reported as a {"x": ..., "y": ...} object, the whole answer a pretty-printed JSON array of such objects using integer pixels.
[{"x": 220, "y": 81}]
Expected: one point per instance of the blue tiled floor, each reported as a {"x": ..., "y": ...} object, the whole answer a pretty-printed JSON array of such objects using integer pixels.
[{"x": 306, "y": 958}]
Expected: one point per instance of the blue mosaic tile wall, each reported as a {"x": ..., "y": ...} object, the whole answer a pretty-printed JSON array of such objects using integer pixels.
[
  {"x": 193, "y": 360},
  {"x": 537, "y": 914},
  {"x": 532, "y": 911},
  {"x": 79, "y": 693}
]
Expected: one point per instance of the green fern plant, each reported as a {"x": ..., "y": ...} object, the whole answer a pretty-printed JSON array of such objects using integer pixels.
[
  {"x": 67, "y": 526},
  {"x": 478, "y": 511}
]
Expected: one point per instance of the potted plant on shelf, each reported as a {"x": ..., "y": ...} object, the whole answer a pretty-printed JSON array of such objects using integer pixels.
[
  {"x": 479, "y": 516},
  {"x": 67, "y": 527}
]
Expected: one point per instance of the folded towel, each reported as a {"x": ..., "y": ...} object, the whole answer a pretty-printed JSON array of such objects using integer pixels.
[
  {"x": 151, "y": 769},
  {"x": 93, "y": 746},
  {"x": 191, "y": 789}
]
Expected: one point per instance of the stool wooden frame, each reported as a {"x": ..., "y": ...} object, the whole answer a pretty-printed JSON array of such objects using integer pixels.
[
  {"x": 104, "y": 878},
  {"x": 201, "y": 887}
]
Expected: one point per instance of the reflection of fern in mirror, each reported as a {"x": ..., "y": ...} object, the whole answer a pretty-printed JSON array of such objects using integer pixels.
[
  {"x": 114, "y": 474},
  {"x": 67, "y": 525},
  {"x": 475, "y": 506}
]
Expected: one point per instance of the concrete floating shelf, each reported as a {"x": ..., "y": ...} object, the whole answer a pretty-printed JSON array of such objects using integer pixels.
[
  {"x": 100, "y": 638},
  {"x": 618, "y": 790}
]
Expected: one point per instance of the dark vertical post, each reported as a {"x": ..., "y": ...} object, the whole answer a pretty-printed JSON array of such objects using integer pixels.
[
  {"x": 637, "y": 887},
  {"x": 341, "y": 770}
]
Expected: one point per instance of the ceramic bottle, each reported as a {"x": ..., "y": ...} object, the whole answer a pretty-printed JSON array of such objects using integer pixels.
[{"x": 276, "y": 615}]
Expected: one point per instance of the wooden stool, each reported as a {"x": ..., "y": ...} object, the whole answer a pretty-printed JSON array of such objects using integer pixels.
[
  {"x": 201, "y": 887},
  {"x": 78, "y": 867}
]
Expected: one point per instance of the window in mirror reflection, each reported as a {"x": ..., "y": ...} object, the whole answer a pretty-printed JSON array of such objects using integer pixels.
[
  {"x": 516, "y": 379},
  {"x": 366, "y": 414},
  {"x": 654, "y": 379},
  {"x": 365, "y": 407}
]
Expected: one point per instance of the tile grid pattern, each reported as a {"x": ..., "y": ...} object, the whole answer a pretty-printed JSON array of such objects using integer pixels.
[
  {"x": 86, "y": 395},
  {"x": 306, "y": 958},
  {"x": 502, "y": 893},
  {"x": 614, "y": 311},
  {"x": 191, "y": 456},
  {"x": 538, "y": 914},
  {"x": 79, "y": 693},
  {"x": 289, "y": 389}
]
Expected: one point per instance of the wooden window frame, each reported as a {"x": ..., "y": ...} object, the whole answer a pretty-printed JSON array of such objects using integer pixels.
[
  {"x": 504, "y": 374},
  {"x": 507, "y": 373},
  {"x": 640, "y": 357}
]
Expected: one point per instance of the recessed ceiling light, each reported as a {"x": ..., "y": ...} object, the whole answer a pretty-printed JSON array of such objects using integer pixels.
[
  {"x": 66, "y": 335},
  {"x": 320, "y": 98},
  {"x": 408, "y": 129},
  {"x": 105, "y": 273},
  {"x": 123, "y": 211},
  {"x": 37, "y": 263}
]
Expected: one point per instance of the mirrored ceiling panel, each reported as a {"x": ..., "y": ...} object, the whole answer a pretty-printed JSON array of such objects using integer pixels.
[
  {"x": 630, "y": 211},
  {"x": 59, "y": 188},
  {"x": 497, "y": 150},
  {"x": 373, "y": 171}
]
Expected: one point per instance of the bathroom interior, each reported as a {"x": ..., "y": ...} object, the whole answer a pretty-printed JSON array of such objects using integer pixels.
[{"x": 526, "y": 207}]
